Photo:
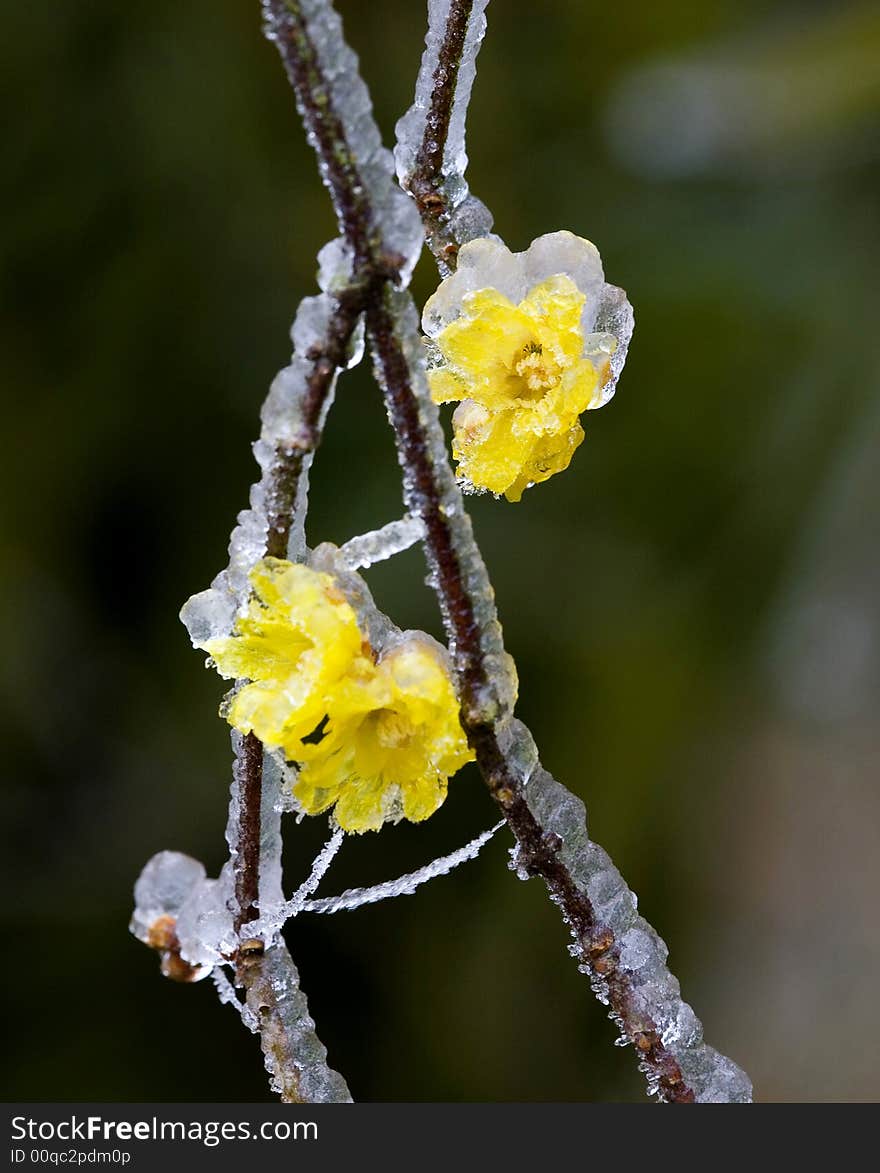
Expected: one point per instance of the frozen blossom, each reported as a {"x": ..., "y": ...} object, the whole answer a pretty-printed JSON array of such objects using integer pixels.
[
  {"x": 468, "y": 217},
  {"x": 525, "y": 343},
  {"x": 373, "y": 725}
]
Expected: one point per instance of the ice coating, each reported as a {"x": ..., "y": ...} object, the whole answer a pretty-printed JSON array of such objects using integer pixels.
[
  {"x": 606, "y": 319},
  {"x": 396, "y": 219},
  {"x": 381, "y": 544},
  {"x": 174, "y": 885},
  {"x": 403, "y": 885},
  {"x": 165, "y": 884},
  {"x": 373, "y": 623},
  {"x": 295, "y": 1057},
  {"x": 271, "y": 845},
  {"x": 468, "y": 216},
  {"x": 654, "y": 995}
]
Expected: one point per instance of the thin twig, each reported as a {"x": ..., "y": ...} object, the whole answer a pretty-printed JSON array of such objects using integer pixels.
[
  {"x": 425, "y": 182},
  {"x": 269, "y": 977},
  {"x": 246, "y": 865}
]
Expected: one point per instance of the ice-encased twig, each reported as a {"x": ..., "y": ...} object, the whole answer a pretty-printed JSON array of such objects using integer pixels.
[
  {"x": 430, "y": 154},
  {"x": 404, "y": 885},
  {"x": 621, "y": 952},
  {"x": 379, "y": 544},
  {"x": 325, "y": 341},
  {"x": 486, "y": 673},
  {"x": 293, "y": 414},
  {"x": 295, "y": 1057},
  {"x": 382, "y": 229}
]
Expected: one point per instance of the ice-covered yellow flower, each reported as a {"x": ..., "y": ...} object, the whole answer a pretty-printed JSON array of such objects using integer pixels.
[
  {"x": 392, "y": 740},
  {"x": 526, "y": 342},
  {"x": 378, "y": 736},
  {"x": 297, "y": 641}
]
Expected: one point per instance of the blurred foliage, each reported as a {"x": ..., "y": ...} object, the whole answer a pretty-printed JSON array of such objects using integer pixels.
[{"x": 161, "y": 213}]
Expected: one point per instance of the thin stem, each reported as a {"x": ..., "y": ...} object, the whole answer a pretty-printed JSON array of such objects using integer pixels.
[
  {"x": 425, "y": 182},
  {"x": 246, "y": 865},
  {"x": 458, "y": 573},
  {"x": 327, "y": 358}
]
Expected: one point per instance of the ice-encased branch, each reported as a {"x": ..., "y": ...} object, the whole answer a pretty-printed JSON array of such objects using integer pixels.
[
  {"x": 623, "y": 956},
  {"x": 430, "y": 153},
  {"x": 325, "y": 338},
  {"x": 295, "y": 1057}
]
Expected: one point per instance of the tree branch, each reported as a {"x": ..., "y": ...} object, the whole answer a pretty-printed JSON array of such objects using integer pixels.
[
  {"x": 430, "y": 153},
  {"x": 425, "y": 182},
  {"x": 547, "y": 821}
]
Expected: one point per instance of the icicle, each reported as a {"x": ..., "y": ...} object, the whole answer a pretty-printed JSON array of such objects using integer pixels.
[{"x": 404, "y": 885}]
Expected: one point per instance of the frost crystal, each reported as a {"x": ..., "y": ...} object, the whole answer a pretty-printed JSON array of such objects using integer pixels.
[
  {"x": 227, "y": 996},
  {"x": 404, "y": 885},
  {"x": 381, "y": 544},
  {"x": 606, "y": 321},
  {"x": 469, "y": 217}
]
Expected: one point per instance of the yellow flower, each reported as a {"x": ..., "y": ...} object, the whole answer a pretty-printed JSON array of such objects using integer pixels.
[
  {"x": 377, "y": 739},
  {"x": 297, "y": 641},
  {"x": 514, "y": 340},
  {"x": 392, "y": 740}
]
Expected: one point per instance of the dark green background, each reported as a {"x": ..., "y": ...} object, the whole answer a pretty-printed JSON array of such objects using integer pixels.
[{"x": 692, "y": 606}]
